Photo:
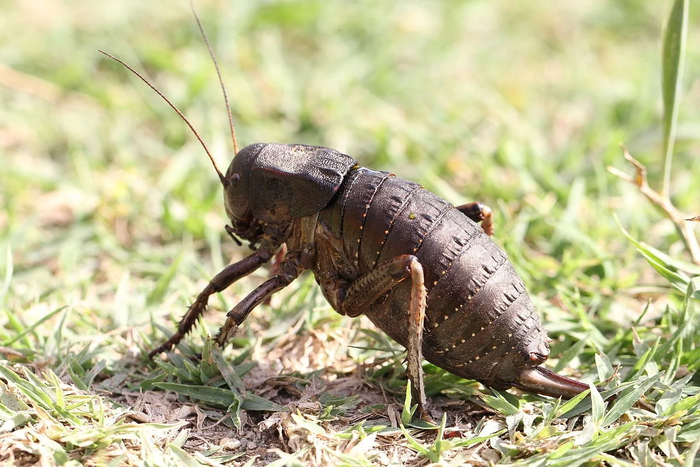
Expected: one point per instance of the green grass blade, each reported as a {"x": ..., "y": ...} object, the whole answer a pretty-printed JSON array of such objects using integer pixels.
[
  {"x": 607, "y": 441},
  {"x": 572, "y": 403},
  {"x": 217, "y": 396},
  {"x": 597, "y": 405},
  {"x": 478, "y": 439},
  {"x": 234, "y": 410},
  {"x": 628, "y": 399},
  {"x": 658, "y": 257},
  {"x": 157, "y": 294},
  {"x": 36, "y": 395},
  {"x": 408, "y": 409},
  {"x": 498, "y": 402},
  {"x": 184, "y": 458},
  {"x": 31, "y": 328},
  {"x": 690, "y": 455},
  {"x": 222, "y": 397},
  {"x": 604, "y": 367},
  {"x": 228, "y": 372},
  {"x": 673, "y": 57},
  {"x": 253, "y": 402},
  {"x": 422, "y": 450}
]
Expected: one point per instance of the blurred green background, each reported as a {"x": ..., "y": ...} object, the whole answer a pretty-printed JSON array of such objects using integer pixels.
[
  {"x": 110, "y": 208},
  {"x": 112, "y": 220}
]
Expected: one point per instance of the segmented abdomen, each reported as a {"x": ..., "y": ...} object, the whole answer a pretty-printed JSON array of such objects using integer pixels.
[{"x": 479, "y": 319}]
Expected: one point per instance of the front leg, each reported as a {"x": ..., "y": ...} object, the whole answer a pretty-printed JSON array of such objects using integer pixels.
[
  {"x": 300, "y": 256},
  {"x": 222, "y": 280}
]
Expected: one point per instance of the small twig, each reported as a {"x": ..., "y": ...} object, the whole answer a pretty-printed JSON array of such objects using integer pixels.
[{"x": 662, "y": 202}]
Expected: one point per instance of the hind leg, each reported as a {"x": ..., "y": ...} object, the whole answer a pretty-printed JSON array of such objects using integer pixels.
[
  {"x": 479, "y": 212},
  {"x": 365, "y": 290}
]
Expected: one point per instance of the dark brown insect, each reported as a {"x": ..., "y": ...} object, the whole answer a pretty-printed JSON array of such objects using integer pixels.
[{"x": 420, "y": 268}]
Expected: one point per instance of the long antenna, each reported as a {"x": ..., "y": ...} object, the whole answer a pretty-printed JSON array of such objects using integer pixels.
[
  {"x": 221, "y": 81},
  {"x": 224, "y": 180}
]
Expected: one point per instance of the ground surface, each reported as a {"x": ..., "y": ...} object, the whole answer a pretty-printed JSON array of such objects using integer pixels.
[{"x": 111, "y": 222}]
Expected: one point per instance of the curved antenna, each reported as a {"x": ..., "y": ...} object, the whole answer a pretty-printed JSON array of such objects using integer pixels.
[
  {"x": 221, "y": 81},
  {"x": 224, "y": 180}
]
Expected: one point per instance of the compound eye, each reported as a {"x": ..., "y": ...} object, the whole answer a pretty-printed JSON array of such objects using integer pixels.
[{"x": 235, "y": 179}]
